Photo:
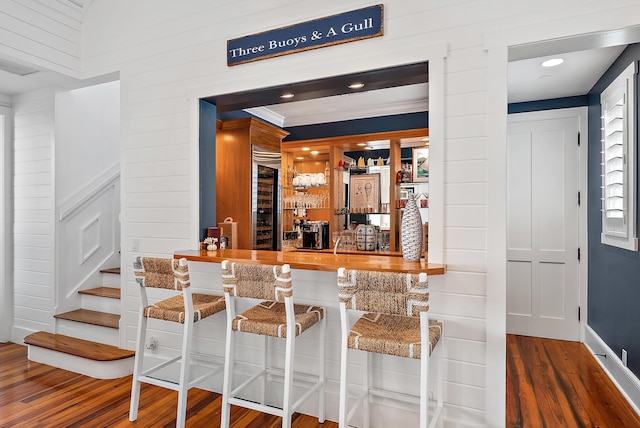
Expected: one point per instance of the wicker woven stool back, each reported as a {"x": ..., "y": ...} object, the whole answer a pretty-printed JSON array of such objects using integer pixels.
[
  {"x": 384, "y": 292},
  {"x": 257, "y": 281}
]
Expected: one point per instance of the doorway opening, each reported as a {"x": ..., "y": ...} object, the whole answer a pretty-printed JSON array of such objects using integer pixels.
[{"x": 389, "y": 99}]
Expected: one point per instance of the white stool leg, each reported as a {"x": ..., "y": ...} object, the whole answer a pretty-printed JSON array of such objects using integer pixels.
[
  {"x": 424, "y": 391},
  {"x": 265, "y": 364},
  {"x": 288, "y": 379},
  {"x": 440, "y": 348},
  {"x": 228, "y": 377},
  {"x": 321, "y": 373},
  {"x": 184, "y": 374},
  {"x": 367, "y": 378},
  {"x": 137, "y": 368},
  {"x": 344, "y": 362}
]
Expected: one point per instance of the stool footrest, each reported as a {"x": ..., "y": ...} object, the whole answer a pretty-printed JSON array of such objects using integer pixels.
[
  {"x": 148, "y": 375},
  {"x": 311, "y": 382}
]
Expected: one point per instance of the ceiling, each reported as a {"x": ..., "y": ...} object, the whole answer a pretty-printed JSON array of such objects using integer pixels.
[{"x": 530, "y": 81}]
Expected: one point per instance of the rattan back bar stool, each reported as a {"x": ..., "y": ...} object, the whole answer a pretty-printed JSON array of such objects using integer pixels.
[
  {"x": 276, "y": 317},
  {"x": 185, "y": 308},
  {"x": 395, "y": 322}
]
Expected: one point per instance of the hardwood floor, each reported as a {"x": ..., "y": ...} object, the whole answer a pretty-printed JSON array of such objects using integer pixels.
[
  {"x": 37, "y": 395},
  {"x": 550, "y": 383},
  {"x": 554, "y": 383}
]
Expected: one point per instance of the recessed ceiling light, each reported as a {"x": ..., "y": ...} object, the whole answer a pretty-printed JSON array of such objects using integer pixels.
[
  {"x": 305, "y": 149},
  {"x": 314, "y": 152},
  {"x": 357, "y": 85},
  {"x": 287, "y": 95},
  {"x": 552, "y": 62},
  {"x": 299, "y": 158},
  {"x": 362, "y": 144}
]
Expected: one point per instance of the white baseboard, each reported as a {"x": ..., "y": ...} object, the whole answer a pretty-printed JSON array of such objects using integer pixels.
[{"x": 622, "y": 377}]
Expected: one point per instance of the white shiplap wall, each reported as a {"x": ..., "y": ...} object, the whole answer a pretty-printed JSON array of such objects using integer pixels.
[
  {"x": 170, "y": 53},
  {"x": 43, "y": 33},
  {"x": 33, "y": 213}
]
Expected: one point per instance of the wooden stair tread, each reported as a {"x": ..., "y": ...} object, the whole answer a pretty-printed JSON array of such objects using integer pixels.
[
  {"x": 78, "y": 347},
  {"x": 115, "y": 270},
  {"x": 113, "y": 293},
  {"x": 91, "y": 317}
]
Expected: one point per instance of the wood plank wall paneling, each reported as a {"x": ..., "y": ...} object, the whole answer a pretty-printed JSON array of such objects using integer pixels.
[
  {"x": 34, "y": 216},
  {"x": 42, "y": 34}
]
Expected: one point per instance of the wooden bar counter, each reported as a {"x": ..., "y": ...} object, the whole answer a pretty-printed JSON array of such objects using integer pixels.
[{"x": 308, "y": 260}]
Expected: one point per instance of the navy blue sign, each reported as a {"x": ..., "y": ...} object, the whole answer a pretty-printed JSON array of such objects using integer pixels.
[{"x": 343, "y": 28}]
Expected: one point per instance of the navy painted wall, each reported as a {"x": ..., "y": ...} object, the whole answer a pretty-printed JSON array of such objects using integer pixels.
[
  {"x": 551, "y": 104},
  {"x": 614, "y": 273},
  {"x": 207, "y": 167}
]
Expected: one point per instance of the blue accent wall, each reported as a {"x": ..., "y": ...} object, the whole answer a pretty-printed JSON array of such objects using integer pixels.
[
  {"x": 614, "y": 273},
  {"x": 551, "y": 104},
  {"x": 207, "y": 165}
]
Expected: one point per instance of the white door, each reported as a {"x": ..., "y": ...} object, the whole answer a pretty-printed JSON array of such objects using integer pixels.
[{"x": 542, "y": 228}]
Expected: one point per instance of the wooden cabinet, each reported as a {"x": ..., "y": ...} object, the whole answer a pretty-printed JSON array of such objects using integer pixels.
[
  {"x": 332, "y": 150},
  {"x": 236, "y": 187}
]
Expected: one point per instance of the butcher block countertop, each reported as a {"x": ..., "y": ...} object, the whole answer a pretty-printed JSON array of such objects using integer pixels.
[{"x": 308, "y": 260}]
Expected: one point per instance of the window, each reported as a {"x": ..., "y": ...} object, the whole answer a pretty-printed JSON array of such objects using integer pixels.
[{"x": 619, "y": 161}]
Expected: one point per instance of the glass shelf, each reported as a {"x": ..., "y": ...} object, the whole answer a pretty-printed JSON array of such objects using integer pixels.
[
  {"x": 307, "y": 208},
  {"x": 321, "y": 186},
  {"x": 358, "y": 213}
]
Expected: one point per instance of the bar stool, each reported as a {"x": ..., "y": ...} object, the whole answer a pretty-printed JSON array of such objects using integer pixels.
[
  {"x": 395, "y": 322},
  {"x": 186, "y": 308},
  {"x": 277, "y": 317}
]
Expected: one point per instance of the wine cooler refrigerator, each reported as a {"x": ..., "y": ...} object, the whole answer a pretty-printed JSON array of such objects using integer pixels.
[{"x": 266, "y": 195}]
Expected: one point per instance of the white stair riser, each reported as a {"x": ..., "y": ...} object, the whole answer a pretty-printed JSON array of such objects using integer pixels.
[
  {"x": 96, "y": 369},
  {"x": 111, "y": 280},
  {"x": 80, "y": 330},
  {"x": 100, "y": 304}
]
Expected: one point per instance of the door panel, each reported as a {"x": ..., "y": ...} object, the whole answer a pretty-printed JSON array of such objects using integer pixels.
[{"x": 542, "y": 228}]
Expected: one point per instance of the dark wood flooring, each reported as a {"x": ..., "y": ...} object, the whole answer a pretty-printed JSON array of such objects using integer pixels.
[
  {"x": 554, "y": 383},
  {"x": 550, "y": 383}
]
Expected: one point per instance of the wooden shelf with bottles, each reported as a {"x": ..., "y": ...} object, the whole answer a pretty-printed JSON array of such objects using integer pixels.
[{"x": 332, "y": 150}]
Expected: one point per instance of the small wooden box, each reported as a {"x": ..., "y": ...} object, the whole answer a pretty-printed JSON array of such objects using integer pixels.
[{"x": 229, "y": 228}]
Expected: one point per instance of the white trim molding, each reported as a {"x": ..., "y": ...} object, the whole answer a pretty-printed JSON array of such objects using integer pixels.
[{"x": 622, "y": 377}]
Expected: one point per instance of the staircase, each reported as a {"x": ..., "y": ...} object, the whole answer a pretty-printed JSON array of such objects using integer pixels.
[{"x": 73, "y": 347}]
